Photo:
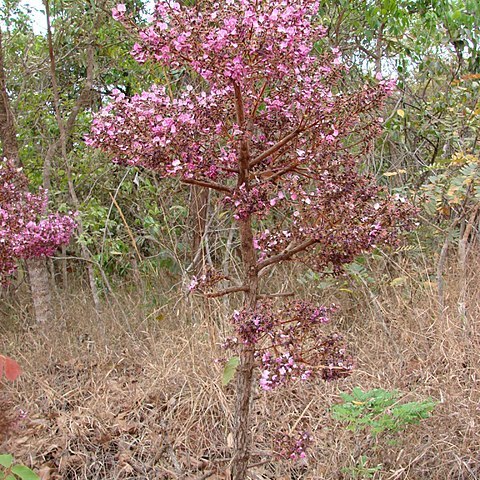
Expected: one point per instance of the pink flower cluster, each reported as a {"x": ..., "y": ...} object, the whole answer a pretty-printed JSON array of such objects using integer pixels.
[
  {"x": 231, "y": 40},
  {"x": 250, "y": 44},
  {"x": 262, "y": 54},
  {"x": 26, "y": 230},
  {"x": 290, "y": 343}
]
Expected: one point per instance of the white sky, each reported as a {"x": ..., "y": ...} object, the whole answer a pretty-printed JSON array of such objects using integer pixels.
[
  {"x": 39, "y": 24},
  {"x": 38, "y": 16}
]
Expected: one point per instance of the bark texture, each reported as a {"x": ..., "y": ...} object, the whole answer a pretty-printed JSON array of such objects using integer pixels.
[
  {"x": 244, "y": 377},
  {"x": 40, "y": 288},
  {"x": 242, "y": 433}
]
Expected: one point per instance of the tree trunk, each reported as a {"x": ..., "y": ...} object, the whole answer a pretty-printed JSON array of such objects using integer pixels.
[
  {"x": 37, "y": 268},
  {"x": 242, "y": 434},
  {"x": 40, "y": 288},
  {"x": 65, "y": 128}
]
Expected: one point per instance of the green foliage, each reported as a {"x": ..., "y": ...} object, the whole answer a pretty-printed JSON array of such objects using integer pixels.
[
  {"x": 454, "y": 186},
  {"x": 379, "y": 411},
  {"x": 361, "y": 469},
  {"x": 375, "y": 412},
  {"x": 11, "y": 471},
  {"x": 229, "y": 370}
]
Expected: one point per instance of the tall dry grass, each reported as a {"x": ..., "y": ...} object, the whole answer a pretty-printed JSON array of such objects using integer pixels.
[{"x": 134, "y": 392}]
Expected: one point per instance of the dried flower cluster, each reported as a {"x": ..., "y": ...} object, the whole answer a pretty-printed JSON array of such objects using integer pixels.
[
  {"x": 26, "y": 230},
  {"x": 290, "y": 343},
  {"x": 292, "y": 446},
  {"x": 206, "y": 281}
]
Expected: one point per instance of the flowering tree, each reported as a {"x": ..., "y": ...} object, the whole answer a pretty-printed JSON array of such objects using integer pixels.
[
  {"x": 266, "y": 124},
  {"x": 26, "y": 231}
]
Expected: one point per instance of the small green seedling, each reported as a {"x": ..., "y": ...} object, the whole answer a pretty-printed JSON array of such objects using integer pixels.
[
  {"x": 11, "y": 471},
  {"x": 379, "y": 411},
  {"x": 375, "y": 412}
]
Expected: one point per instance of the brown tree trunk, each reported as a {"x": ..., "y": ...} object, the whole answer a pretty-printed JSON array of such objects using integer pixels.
[
  {"x": 37, "y": 268},
  {"x": 244, "y": 377},
  {"x": 40, "y": 288},
  {"x": 242, "y": 434}
]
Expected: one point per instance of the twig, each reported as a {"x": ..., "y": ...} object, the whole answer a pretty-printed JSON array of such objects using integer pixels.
[
  {"x": 206, "y": 475},
  {"x": 285, "y": 255},
  {"x": 212, "y": 185},
  {"x": 226, "y": 291},
  {"x": 275, "y": 147},
  {"x": 130, "y": 234},
  {"x": 278, "y": 294}
]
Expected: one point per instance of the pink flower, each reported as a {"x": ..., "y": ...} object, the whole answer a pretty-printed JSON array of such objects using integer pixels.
[{"x": 118, "y": 12}]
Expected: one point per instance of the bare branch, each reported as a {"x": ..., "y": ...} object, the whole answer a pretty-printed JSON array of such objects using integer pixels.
[
  {"x": 275, "y": 295},
  {"x": 276, "y": 147},
  {"x": 287, "y": 254},
  {"x": 227, "y": 291},
  {"x": 202, "y": 183}
]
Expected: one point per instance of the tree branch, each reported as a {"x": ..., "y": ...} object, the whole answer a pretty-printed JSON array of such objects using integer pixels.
[
  {"x": 244, "y": 151},
  {"x": 201, "y": 183},
  {"x": 287, "y": 254},
  {"x": 227, "y": 291},
  {"x": 276, "y": 147},
  {"x": 278, "y": 294}
]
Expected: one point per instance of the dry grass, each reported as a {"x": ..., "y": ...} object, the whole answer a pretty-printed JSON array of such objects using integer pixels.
[{"x": 134, "y": 393}]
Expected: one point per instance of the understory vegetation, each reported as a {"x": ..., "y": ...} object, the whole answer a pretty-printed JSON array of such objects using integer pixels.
[{"x": 135, "y": 391}]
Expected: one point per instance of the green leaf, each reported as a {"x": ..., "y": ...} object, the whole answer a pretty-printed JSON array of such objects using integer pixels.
[
  {"x": 229, "y": 370},
  {"x": 6, "y": 461},
  {"x": 24, "y": 472}
]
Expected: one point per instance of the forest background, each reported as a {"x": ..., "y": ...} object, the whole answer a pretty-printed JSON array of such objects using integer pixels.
[{"x": 122, "y": 378}]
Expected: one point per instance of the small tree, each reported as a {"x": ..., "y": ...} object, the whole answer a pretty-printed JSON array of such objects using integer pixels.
[
  {"x": 265, "y": 124},
  {"x": 26, "y": 230}
]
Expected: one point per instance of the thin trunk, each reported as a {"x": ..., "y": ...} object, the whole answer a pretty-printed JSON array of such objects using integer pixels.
[
  {"x": 379, "y": 50},
  {"x": 244, "y": 377},
  {"x": 64, "y": 134},
  {"x": 37, "y": 268},
  {"x": 242, "y": 434},
  {"x": 8, "y": 130}
]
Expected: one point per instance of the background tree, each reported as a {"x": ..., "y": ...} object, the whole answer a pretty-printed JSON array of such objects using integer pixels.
[{"x": 26, "y": 231}]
